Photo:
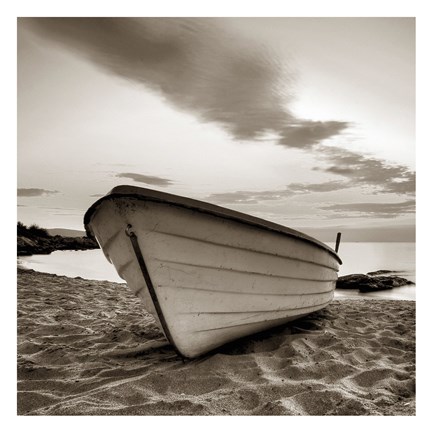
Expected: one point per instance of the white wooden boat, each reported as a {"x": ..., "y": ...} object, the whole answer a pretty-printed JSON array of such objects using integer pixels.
[{"x": 210, "y": 275}]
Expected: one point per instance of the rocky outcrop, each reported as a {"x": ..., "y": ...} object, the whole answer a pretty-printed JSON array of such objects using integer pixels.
[
  {"x": 46, "y": 245},
  {"x": 374, "y": 281},
  {"x": 383, "y": 272}
]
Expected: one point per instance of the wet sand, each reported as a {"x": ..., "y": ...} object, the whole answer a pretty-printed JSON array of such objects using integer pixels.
[{"x": 88, "y": 348}]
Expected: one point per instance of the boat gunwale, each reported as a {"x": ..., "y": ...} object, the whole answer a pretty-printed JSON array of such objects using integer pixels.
[{"x": 144, "y": 194}]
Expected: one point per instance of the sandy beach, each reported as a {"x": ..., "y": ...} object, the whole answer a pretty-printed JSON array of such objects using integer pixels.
[{"x": 89, "y": 348}]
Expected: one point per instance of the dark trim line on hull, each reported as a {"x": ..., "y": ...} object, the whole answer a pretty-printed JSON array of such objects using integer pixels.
[
  {"x": 143, "y": 194},
  {"x": 250, "y": 293},
  {"x": 319, "y": 306},
  {"x": 258, "y": 312},
  {"x": 247, "y": 249},
  {"x": 135, "y": 245},
  {"x": 243, "y": 271}
]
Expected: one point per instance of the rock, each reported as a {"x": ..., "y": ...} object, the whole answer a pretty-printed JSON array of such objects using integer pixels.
[
  {"x": 352, "y": 281},
  {"x": 25, "y": 246},
  {"x": 379, "y": 283},
  {"x": 380, "y": 272},
  {"x": 383, "y": 272},
  {"x": 367, "y": 283}
]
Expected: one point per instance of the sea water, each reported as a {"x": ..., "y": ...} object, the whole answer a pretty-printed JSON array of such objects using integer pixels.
[
  {"x": 89, "y": 264},
  {"x": 357, "y": 257}
]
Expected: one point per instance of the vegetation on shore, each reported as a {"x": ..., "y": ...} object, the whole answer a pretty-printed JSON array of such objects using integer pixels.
[{"x": 36, "y": 240}]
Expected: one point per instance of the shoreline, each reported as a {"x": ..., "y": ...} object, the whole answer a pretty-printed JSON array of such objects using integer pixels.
[{"x": 88, "y": 347}]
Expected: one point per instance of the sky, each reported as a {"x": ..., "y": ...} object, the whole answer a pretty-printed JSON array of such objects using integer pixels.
[{"x": 307, "y": 122}]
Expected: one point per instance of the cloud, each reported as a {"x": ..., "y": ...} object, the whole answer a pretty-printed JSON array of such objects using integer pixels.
[
  {"x": 58, "y": 208},
  {"x": 197, "y": 65},
  {"x": 147, "y": 179},
  {"x": 362, "y": 170},
  {"x": 254, "y": 197},
  {"x": 381, "y": 210},
  {"x": 309, "y": 133},
  {"x": 318, "y": 187},
  {"x": 248, "y": 197},
  {"x": 34, "y": 192}
]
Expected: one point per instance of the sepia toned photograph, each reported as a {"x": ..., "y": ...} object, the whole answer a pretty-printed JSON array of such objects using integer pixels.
[{"x": 216, "y": 216}]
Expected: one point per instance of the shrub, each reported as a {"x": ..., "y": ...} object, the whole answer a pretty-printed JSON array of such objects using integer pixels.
[
  {"x": 32, "y": 231},
  {"x": 22, "y": 229}
]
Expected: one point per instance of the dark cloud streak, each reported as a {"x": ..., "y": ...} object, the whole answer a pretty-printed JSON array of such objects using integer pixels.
[
  {"x": 254, "y": 197},
  {"x": 35, "y": 192},
  {"x": 318, "y": 187},
  {"x": 309, "y": 133},
  {"x": 248, "y": 197},
  {"x": 147, "y": 179},
  {"x": 368, "y": 171},
  {"x": 199, "y": 67},
  {"x": 381, "y": 210}
]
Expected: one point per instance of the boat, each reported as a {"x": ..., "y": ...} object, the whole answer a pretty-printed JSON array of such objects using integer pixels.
[{"x": 210, "y": 275}]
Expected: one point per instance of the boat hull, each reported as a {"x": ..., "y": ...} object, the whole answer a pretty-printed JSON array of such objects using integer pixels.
[{"x": 209, "y": 279}]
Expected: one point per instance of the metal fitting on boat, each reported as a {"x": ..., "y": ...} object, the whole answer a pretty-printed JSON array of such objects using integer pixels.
[{"x": 129, "y": 230}]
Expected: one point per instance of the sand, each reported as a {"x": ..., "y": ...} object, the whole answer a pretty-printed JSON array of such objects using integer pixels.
[{"x": 88, "y": 348}]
